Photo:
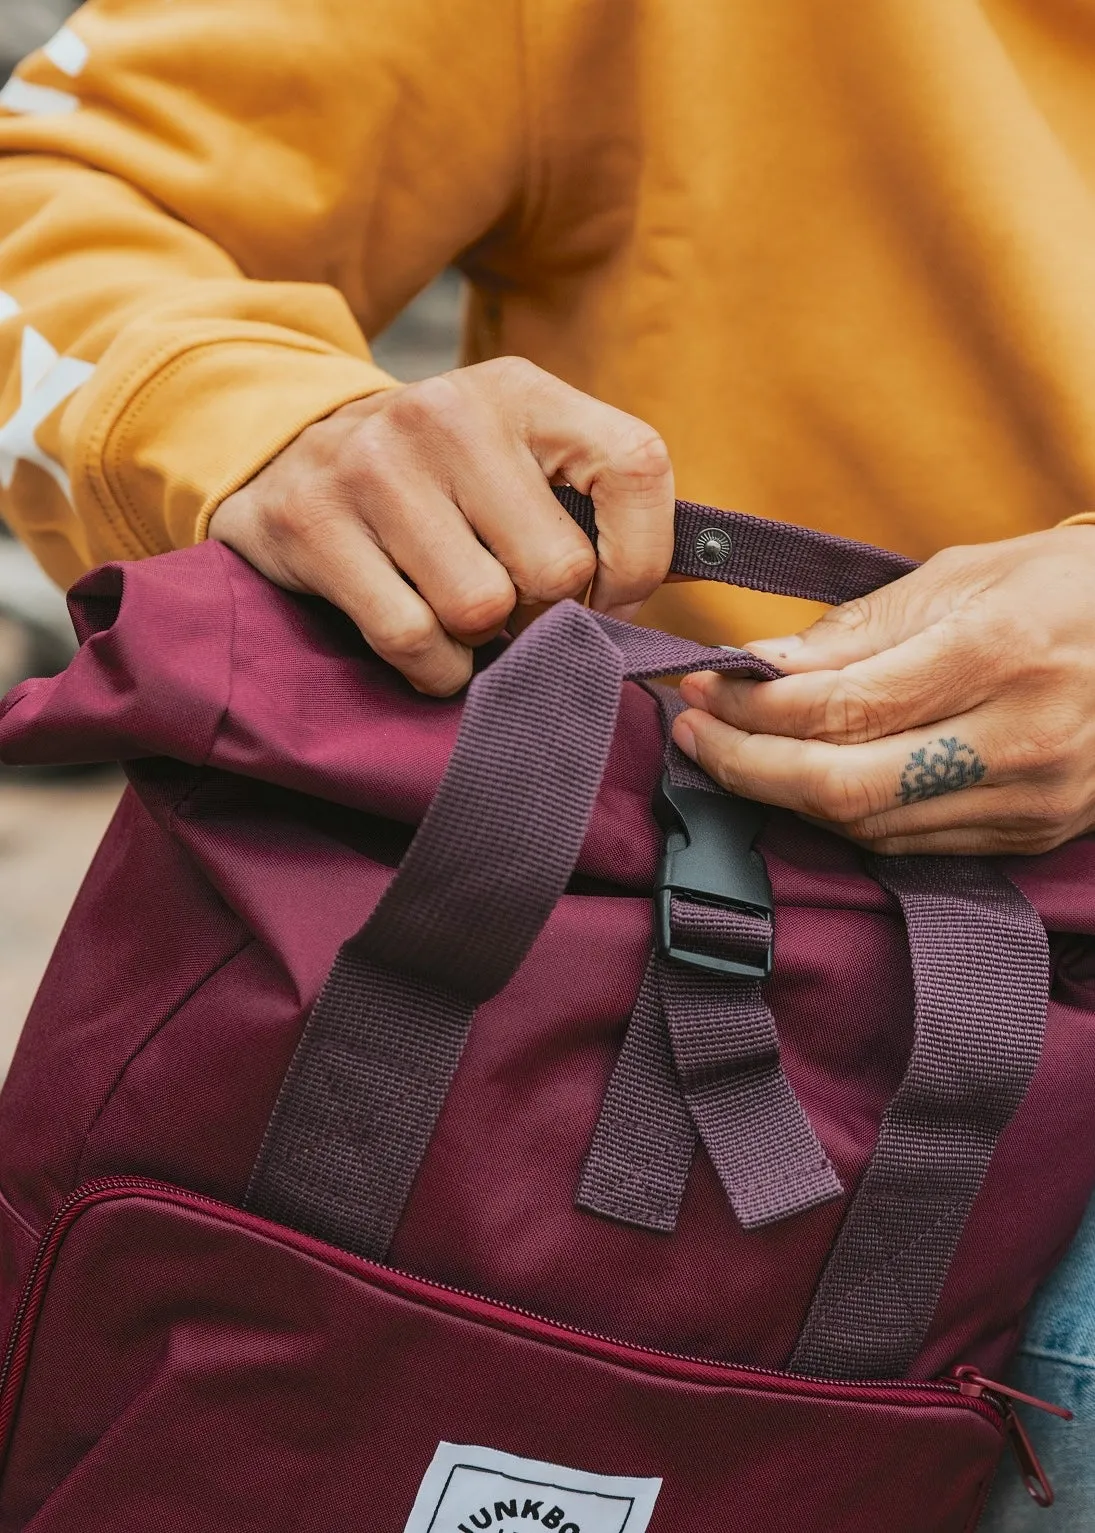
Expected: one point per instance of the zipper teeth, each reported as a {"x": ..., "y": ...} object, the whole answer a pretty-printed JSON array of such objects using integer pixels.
[
  {"x": 44, "y": 1251},
  {"x": 985, "y": 1404}
]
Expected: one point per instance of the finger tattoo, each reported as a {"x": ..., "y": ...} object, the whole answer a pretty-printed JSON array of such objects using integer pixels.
[{"x": 942, "y": 766}]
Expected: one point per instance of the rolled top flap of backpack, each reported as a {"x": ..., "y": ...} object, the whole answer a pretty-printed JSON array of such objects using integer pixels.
[
  {"x": 152, "y": 676},
  {"x": 197, "y": 657}
]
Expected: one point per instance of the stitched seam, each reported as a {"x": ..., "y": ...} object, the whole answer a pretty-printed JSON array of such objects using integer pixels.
[
  {"x": 95, "y": 453},
  {"x": 883, "y": 1269},
  {"x": 124, "y": 429},
  {"x": 127, "y": 405},
  {"x": 27, "y": 1228},
  {"x": 138, "y": 1050},
  {"x": 120, "y": 435}
]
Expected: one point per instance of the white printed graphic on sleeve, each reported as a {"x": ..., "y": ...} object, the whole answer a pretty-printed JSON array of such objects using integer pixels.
[
  {"x": 469, "y": 1490},
  {"x": 47, "y": 381},
  {"x": 9, "y": 307},
  {"x": 36, "y": 100},
  {"x": 67, "y": 51}
]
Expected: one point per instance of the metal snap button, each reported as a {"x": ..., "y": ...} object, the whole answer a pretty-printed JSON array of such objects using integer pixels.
[{"x": 713, "y": 546}]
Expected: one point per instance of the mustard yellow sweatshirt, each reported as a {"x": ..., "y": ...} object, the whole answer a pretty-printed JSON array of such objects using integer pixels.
[{"x": 841, "y": 253}]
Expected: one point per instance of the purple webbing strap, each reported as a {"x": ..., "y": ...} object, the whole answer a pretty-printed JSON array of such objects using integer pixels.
[
  {"x": 700, "y": 1059},
  {"x": 701, "y": 1056},
  {"x": 776, "y": 557},
  {"x": 637, "y": 1166},
  {"x": 483, "y": 873},
  {"x": 726, "y": 1050},
  {"x": 981, "y": 971}
]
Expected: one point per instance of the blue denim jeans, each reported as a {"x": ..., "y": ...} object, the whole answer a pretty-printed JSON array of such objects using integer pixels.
[{"x": 1057, "y": 1362}]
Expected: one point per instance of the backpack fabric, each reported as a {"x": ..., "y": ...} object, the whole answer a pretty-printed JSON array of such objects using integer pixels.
[{"x": 380, "y": 1154}]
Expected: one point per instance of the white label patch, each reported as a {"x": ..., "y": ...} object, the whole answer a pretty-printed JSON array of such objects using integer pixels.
[{"x": 469, "y": 1490}]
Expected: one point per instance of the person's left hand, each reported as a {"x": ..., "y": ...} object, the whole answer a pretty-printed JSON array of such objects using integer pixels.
[{"x": 952, "y": 711}]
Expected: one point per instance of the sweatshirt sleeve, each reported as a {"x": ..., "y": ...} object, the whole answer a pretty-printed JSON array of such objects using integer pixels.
[{"x": 205, "y": 207}]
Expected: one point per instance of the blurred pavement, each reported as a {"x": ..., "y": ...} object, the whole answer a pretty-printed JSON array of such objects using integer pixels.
[
  {"x": 48, "y": 832},
  {"x": 50, "y": 825},
  {"x": 25, "y": 25}
]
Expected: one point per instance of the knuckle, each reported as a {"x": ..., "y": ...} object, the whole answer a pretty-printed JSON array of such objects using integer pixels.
[
  {"x": 435, "y": 405},
  {"x": 363, "y": 456},
  {"x": 838, "y": 797},
  {"x": 283, "y": 517},
  {"x": 854, "y": 714},
  {"x": 409, "y": 638},
  {"x": 509, "y": 372},
  {"x": 721, "y": 768},
  {"x": 642, "y": 454},
  {"x": 954, "y": 557},
  {"x": 1051, "y": 738},
  {"x": 479, "y": 610},
  {"x": 1045, "y": 839},
  {"x": 566, "y": 574},
  {"x": 447, "y": 680},
  {"x": 635, "y": 574},
  {"x": 302, "y": 515},
  {"x": 1056, "y": 805}
]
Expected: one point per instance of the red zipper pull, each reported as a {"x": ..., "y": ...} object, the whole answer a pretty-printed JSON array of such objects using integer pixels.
[{"x": 970, "y": 1382}]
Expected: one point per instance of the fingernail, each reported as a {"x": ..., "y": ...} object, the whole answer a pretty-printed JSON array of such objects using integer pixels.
[
  {"x": 775, "y": 649},
  {"x": 684, "y": 738},
  {"x": 691, "y": 690}
]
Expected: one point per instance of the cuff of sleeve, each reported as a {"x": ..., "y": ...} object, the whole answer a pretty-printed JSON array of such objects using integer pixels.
[
  {"x": 1081, "y": 519},
  {"x": 201, "y": 425}
]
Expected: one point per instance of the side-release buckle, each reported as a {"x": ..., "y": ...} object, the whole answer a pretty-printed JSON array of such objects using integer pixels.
[{"x": 709, "y": 858}]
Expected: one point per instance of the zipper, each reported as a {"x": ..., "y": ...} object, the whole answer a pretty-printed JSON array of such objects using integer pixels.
[
  {"x": 965, "y": 1386},
  {"x": 971, "y": 1384}
]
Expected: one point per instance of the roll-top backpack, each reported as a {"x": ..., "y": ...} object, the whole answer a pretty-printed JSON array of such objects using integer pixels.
[{"x": 454, "y": 1115}]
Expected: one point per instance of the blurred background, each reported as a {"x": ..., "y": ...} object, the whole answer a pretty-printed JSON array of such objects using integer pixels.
[{"x": 50, "y": 823}]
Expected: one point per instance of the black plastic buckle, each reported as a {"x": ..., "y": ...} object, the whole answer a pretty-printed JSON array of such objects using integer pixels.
[{"x": 709, "y": 857}]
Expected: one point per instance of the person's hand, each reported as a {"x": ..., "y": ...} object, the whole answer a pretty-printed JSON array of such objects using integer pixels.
[
  {"x": 953, "y": 711},
  {"x": 425, "y": 512}
]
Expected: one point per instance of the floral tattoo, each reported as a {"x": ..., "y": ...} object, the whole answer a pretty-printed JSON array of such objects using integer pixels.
[{"x": 943, "y": 766}]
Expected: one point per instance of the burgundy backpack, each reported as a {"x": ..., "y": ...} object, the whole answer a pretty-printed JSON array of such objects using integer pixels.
[{"x": 380, "y": 1155}]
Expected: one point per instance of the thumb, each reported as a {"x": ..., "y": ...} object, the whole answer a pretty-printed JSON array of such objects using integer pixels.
[{"x": 858, "y": 629}]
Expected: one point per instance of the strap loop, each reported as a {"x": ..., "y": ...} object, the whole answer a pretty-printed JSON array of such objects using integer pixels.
[
  {"x": 763, "y": 555},
  {"x": 702, "y": 1022}
]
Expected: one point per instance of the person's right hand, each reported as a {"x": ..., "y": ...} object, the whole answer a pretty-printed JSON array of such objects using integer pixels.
[{"x": 426, "y": 514}]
